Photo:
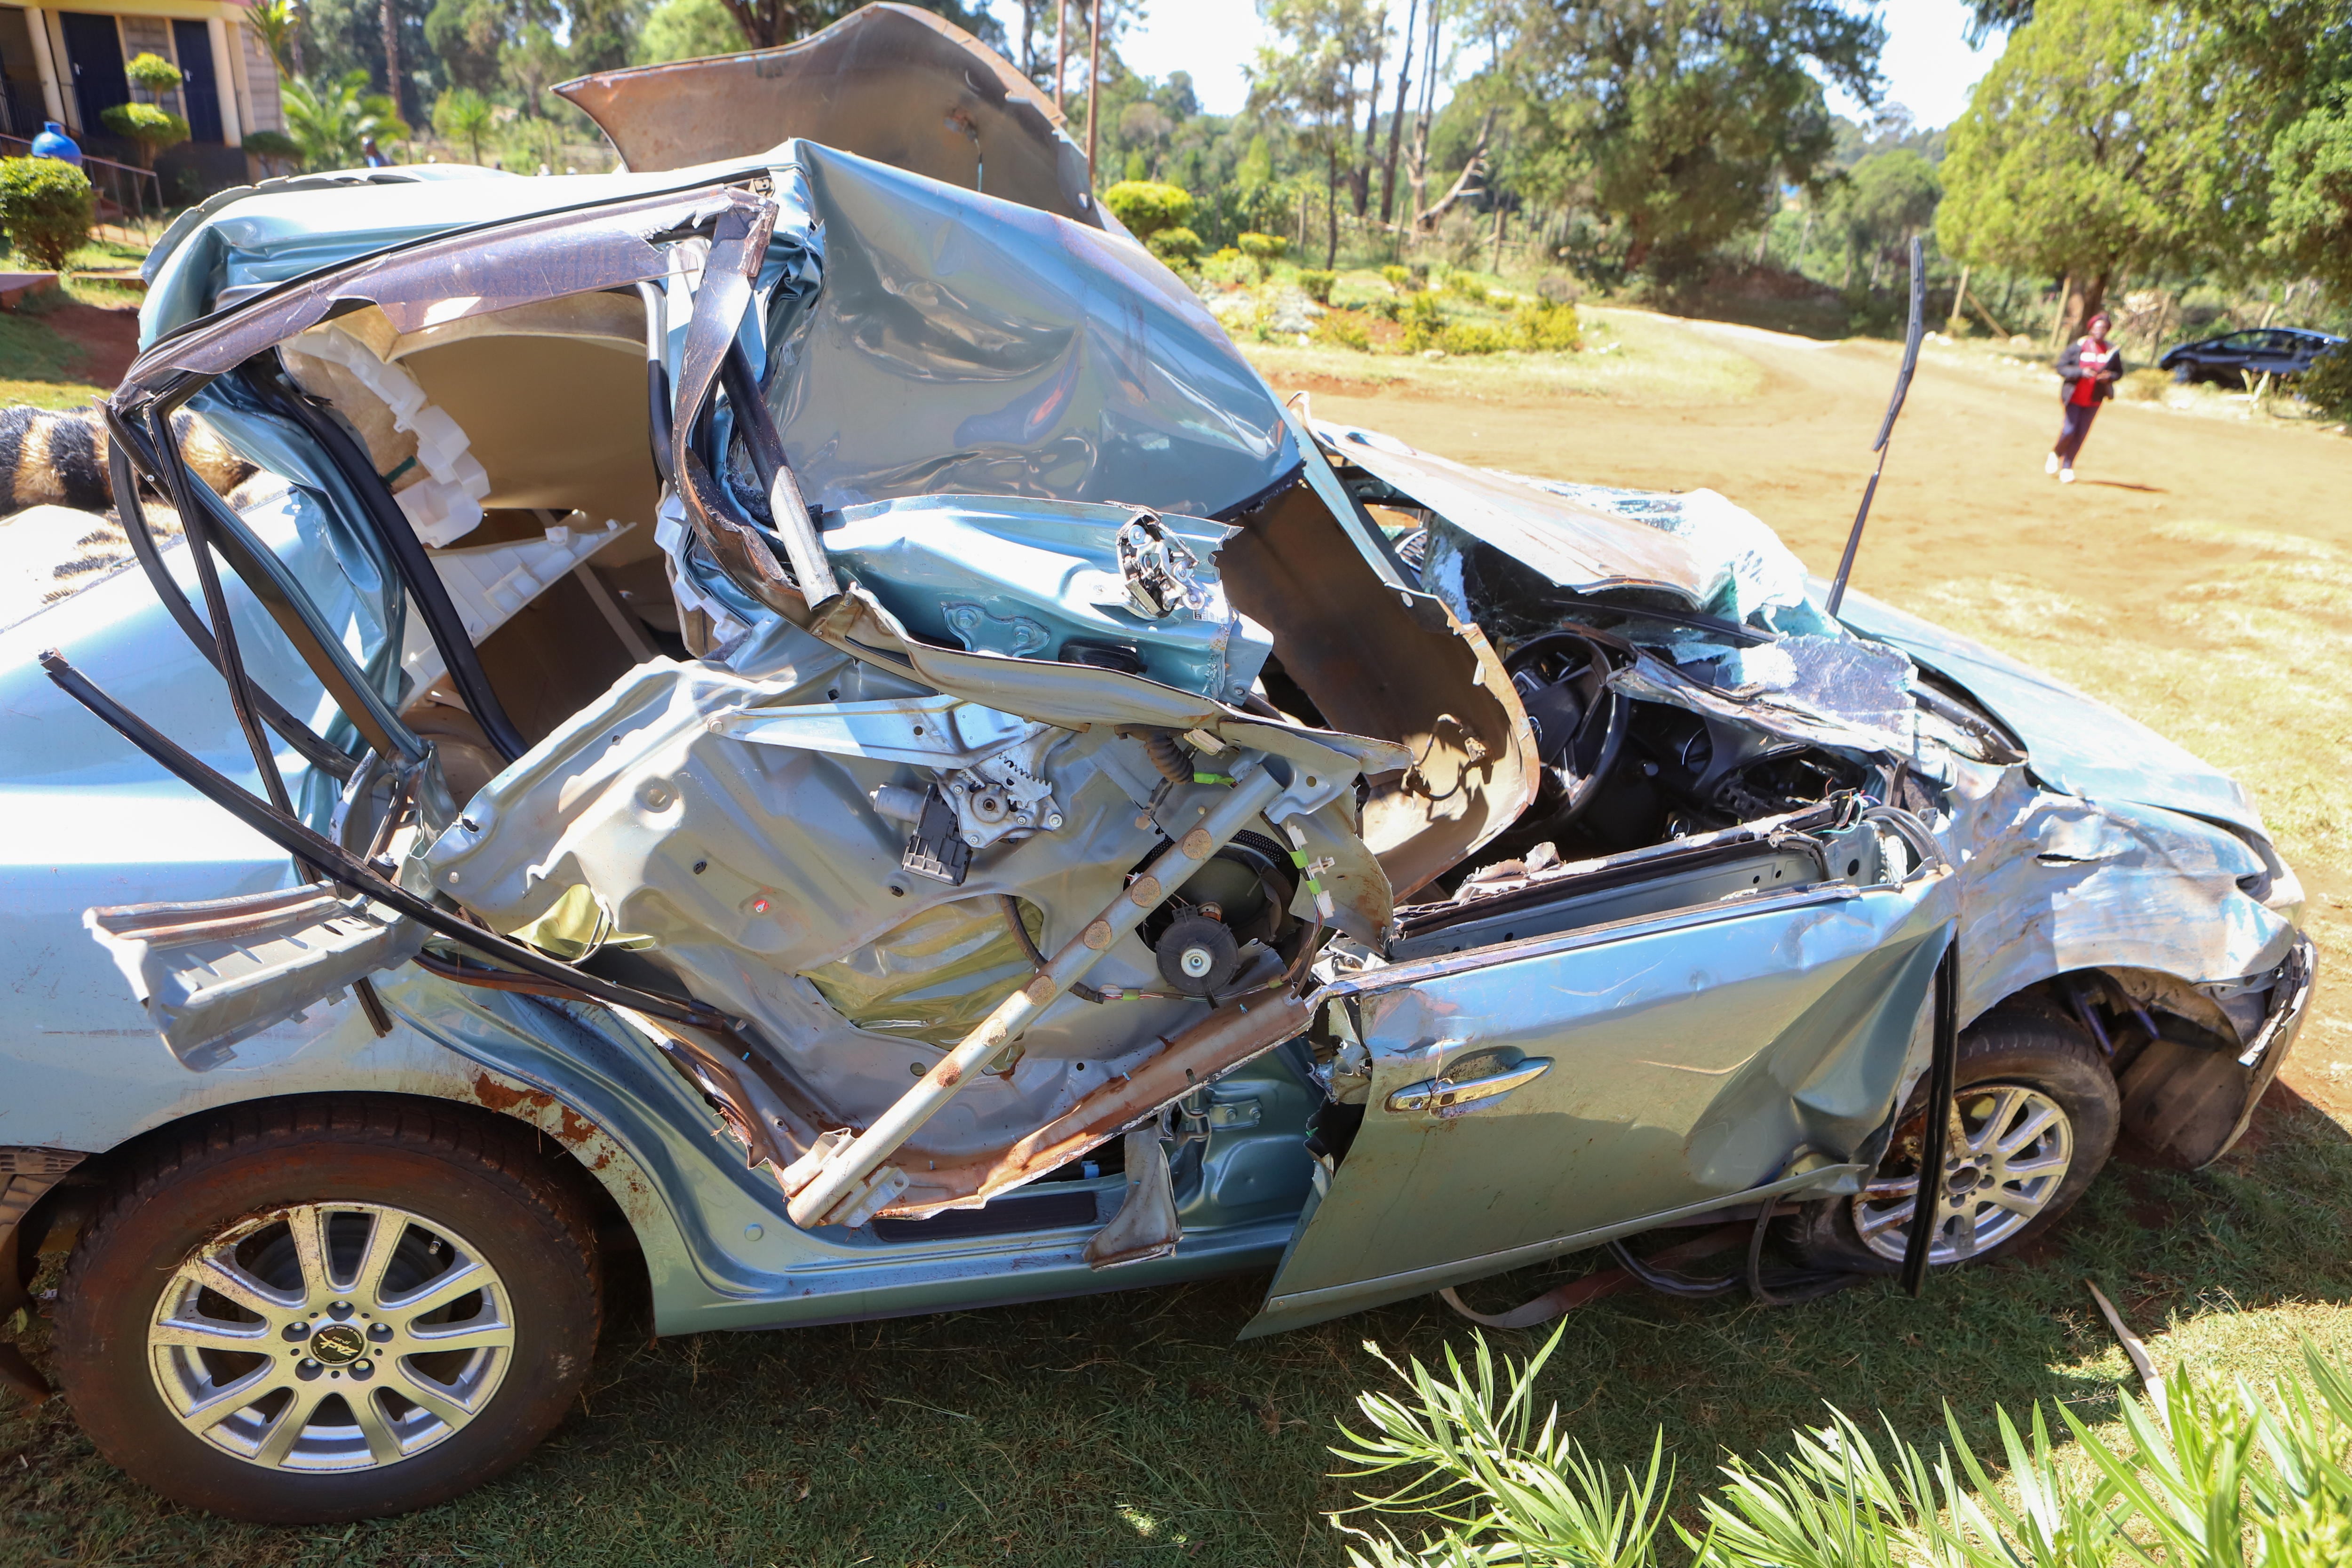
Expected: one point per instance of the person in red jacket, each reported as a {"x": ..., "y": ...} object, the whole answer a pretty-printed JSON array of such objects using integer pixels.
[{"x": 2087, "y": 373}]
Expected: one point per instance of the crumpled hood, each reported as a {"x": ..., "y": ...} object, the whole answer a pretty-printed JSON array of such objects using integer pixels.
[{"x": 2076, "y": 743}]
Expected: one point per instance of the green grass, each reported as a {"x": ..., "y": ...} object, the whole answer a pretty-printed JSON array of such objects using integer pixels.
[
  {"x": 38, "y": 364},
  {"x": 1130, "y": 1429}
]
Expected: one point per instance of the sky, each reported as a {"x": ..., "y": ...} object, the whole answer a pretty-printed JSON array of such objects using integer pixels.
[{"x": 1928, "y": 66}]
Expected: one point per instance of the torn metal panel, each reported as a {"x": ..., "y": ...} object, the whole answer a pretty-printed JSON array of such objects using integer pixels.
[
  {"x": 961, "y": 345},
  {"x": 2051, "y": 884},
  {"x": 215, "y": 971},
  {"x": 1576, "y": 547},
  {"x": 901, "y": 86},
  {"x": 448, "y": 277}
]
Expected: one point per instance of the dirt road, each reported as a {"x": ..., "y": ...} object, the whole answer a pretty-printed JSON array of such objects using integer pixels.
[{"x": 2199, "y": 574}]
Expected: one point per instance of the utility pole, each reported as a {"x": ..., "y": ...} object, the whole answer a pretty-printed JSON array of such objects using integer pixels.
[
  {"x": 1094, "y": 88},
  {"x": 1061, "y": 52}
]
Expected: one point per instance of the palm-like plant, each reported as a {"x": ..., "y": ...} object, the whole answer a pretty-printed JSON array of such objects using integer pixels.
[
  {"x": 273, "y": 23},
  {"x": 329, "y": 117},
  {"x": 463, "y": 115}
]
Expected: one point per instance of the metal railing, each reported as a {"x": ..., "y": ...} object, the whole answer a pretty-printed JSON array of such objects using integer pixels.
[{"x": 131, "y": 191}]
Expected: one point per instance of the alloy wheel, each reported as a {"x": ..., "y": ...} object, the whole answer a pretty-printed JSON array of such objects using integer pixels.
[
  {"x": 330, "y": 1337},
  {"x": 2009, "y": 1151}
]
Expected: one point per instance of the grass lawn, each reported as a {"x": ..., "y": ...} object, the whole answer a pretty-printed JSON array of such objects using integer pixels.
[
  {"x": 1130, "y": 1429},
  {"x": 39, "y": 364}
]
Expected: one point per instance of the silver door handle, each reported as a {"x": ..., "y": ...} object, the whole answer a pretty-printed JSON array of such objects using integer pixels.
[{"x": 1443, "y": 1093}]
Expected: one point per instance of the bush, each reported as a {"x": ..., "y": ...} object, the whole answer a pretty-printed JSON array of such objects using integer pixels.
[
  {"x": 1263, "y": 248},
  {"x": 273, "y": 147},
  {"x": 1399, "y": 277},
  {"x": 1423, "y": 321},
  {"x": 1317, "y": 285},
  {"x": 1146, "y": 207},
  {"x": 1180, "y": 247},
  {"x": 2327, "y": 384},
  {"x": 1473, "y": 338},
  {"x": 2145, "y": 385},
  {"x": 154, "y": 129},
  {"x": 1469, "y": 288},
  {"x": 1548, "y": 327},
  {"x": 47, "y": 207},
  {"x": 1344, "y": 331},
  {"x": 153, "y": 71}
]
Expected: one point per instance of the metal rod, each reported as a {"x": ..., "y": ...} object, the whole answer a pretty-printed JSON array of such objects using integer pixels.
[
  {"x": 199, "y": 532},
  {"x": 1094, "y": 91},
  {"x": 658, "y": 412},
  {"x": 122, "y": 470},
  {"x": 863, "y": 1155},
  {"x": 1911, "y": 340},
  {"x": 787, "y": 508},
  {"x": 1943, "y": 1073}
]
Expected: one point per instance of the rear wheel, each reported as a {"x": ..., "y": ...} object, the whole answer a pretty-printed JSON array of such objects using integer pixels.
[
  {"x": 2036, "y": 1115},
  {"x": 315, "y": 1312}
]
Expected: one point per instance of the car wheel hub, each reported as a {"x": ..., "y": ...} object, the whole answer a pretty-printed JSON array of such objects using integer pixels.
[
  {"x": 330, "y": 1337},
  {"x": 2011, "y": 1148}
]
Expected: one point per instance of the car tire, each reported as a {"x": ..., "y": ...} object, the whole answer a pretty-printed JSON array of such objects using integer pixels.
[
  {"x": 192, "y": 1389},
  {"x": 2014, "y": 1067}
]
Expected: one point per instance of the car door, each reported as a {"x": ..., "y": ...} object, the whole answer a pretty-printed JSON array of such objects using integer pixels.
[{"x": 1541, "y": 1096}]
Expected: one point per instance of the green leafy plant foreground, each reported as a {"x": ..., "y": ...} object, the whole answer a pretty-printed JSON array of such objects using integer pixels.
[
  {"x": 46, "y": 207},
  {"x": 2207, "y": 1475}
]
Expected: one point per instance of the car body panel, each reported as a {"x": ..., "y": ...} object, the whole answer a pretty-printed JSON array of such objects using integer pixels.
[
  {"x": 1689, "y": 1056},
  {"x": 889, "y": 82}
]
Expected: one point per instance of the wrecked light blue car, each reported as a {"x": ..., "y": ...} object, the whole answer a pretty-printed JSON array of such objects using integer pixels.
[{"x": 796, "y": 727}]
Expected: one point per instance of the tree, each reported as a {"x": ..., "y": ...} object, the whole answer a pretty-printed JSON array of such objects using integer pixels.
[
  {"x": 531, "y": 61},
  {"x": 273, "y": 23},
  {"x": 1146, "y": 208},
  {"x": 1310, "y": 79},
  {"x": 2105, "y": 139},
  {"x": 463, "y": 115},
  {"x": 687, "y": 30},
  {"x": 328, "y": 119},
  {"x": 2311, "y": 198},
  {"x": 1892, "y": 197},
  {"x": 1682, "y": 119},
  {"x": 765, "y": 24}
]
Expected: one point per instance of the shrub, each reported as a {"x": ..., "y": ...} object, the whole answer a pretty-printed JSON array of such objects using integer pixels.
[
  {"x": 1547, "y": 329},
  {"x": 1344, "y": 330},
  {"x": 47, "y": 207},
  {"x": 1146, "y": 207},
  {"x": 273, "y": 147},
  {"x": 1469, "y": 288},
  {"x": 154, "y": 129},
  {"x": 2327, "y": 384},
  {"x": 1317, "y": 285},
  {"x": 1473, "y": 338},
  {"x": 1263, "y": 248},
  {"x": 1399, "y": 277},
  {"x": 153, "y": 71},
  {"x": 1423, "y": 321},
  {"x": 1180, "y": 247},
  {"x": 2143, "y": 385}
]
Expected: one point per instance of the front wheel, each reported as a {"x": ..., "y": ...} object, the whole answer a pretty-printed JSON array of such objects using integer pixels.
[
  {"x": 2036, "y": 1115},
  {"x": 328, "y": 1311}
]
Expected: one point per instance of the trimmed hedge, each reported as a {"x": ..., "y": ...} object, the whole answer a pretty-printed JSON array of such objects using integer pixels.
[{"x": 47, "y": 207}]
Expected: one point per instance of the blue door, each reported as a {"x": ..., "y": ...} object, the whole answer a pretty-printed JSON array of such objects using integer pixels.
[
  {"x": 199, "y": 92},
  {"x": 94, "y": 53}
]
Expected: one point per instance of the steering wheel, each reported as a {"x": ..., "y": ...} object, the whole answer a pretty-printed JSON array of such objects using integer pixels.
[{"x": 1562, "y": 681}]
